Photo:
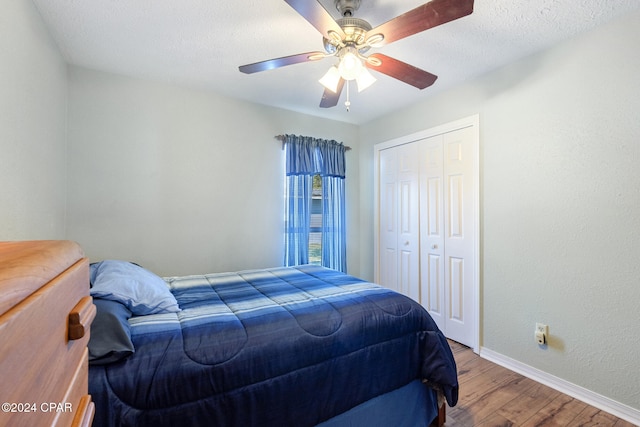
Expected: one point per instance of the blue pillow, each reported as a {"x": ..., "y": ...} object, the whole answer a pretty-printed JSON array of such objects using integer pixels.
[
  {"x": 138, "y": 289},
  {"x": 110, "y": 338}
]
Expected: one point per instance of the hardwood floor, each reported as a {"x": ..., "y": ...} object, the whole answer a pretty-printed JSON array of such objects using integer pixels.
[{"x": 491, "y": 395}]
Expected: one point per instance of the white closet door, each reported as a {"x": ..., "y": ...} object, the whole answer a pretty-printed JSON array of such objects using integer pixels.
[
  {"x": 428, "y": 217},
  {"x": 399, "y": 247},
  {"x": 432, "y": 231},
  {"x": 460, "y": 214},
  {"x": 388, "y": 222},
  {"x": 408, "y": 221}
]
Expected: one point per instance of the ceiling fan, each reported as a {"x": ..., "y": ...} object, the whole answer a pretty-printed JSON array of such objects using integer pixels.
[{"x": 349, "y": 39}]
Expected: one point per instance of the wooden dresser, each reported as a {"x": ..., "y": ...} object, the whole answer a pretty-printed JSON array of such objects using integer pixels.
[{"x": 45, "y": 315}]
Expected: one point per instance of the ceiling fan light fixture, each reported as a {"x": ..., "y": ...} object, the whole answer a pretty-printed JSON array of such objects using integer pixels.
[
  {"x": 364, "y": 80},
  {"x": 350, "y": 65},
  {"x": 331, "y": 79}
]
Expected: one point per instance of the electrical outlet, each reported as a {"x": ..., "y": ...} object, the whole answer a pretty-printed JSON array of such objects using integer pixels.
[
  {"x": 542, "y": 333},
  {"x": 541, "y": 327}
]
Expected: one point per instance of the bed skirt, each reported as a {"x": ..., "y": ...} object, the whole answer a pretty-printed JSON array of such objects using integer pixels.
[{"x": 408, "y": 406}]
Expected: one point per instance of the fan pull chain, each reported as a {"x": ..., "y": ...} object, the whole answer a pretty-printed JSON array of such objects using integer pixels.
[{"x": 347, "y": 103}]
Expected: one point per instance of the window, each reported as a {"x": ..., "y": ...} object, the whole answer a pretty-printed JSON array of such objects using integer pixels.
[
  {"x": 315, "y": 227},
  {"x": 314, "y": 203}
]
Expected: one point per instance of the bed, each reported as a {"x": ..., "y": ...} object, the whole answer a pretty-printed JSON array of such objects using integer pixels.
[{"x": 286, "y": 346}]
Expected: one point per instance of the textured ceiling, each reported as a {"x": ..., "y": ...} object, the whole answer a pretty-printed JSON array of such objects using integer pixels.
[{"x": 201, "y": 43}]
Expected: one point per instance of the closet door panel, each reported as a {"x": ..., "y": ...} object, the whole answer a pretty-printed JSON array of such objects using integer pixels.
[
  {"x": 388, "y": 228},
  {"x": 432, "y": 273},
  {"x": 459, "y": 240},
  {"x": 409, "y": 220},
  {"x": 432, "y": 280},
  {"x": 455, "y": 287},
  {"x": 456, "y": 206}
]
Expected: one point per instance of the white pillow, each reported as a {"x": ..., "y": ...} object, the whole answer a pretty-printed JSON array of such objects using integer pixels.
[{"x": 138, "y": 289}]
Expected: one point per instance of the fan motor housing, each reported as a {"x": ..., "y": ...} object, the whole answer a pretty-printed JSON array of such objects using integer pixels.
[{"x": 355, "y": 30}]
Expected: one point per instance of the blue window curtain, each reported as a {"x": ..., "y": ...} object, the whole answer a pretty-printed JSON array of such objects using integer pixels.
[
  {"x": 334, "y": 236},
  {"x": 297, "y": 219},
  {"x": 305, "y": 157}
]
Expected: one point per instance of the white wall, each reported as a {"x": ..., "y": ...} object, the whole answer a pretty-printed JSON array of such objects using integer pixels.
[
  {"x": 183, "y": 181},
  {"x": 33, "y": 103},
  {"x": 560, "y": 205}
]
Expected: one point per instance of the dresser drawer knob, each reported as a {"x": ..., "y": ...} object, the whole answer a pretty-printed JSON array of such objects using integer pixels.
[{"x": 81, "y": 317}]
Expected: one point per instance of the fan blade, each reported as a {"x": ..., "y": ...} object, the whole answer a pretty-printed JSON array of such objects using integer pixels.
[
  {"x": 330, "y": 99},
  {"x": 402, "y": 71},
  {"x": 422, "y": 18},
  {"x": 317, "y": 15},
  {"x": 281, "y": 62}
]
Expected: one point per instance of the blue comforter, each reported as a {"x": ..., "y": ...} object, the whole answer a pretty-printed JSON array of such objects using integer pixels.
[{"x": 278, "y": 347}]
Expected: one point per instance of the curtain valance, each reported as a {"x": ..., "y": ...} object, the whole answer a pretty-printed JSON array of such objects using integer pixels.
[{"x": 310, "y": 156}]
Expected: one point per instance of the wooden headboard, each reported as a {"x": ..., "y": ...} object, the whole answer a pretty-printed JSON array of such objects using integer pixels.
[{"x": 45, "y": 315}]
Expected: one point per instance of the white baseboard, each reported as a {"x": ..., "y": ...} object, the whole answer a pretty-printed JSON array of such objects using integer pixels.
[{"x": 589, "y": 397}]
